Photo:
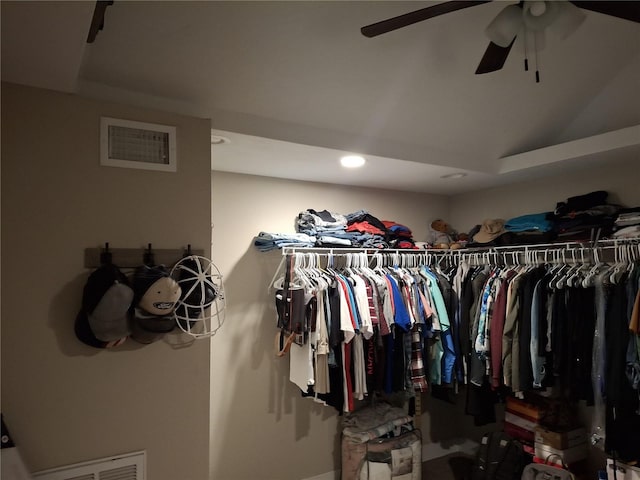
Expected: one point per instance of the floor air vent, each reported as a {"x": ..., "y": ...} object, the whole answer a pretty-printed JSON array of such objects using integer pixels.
[{"x": 129, "y": 466}]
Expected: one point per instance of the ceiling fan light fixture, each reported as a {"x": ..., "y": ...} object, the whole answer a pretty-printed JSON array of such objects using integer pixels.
[
  {"x": 504, "y": 28},
  {"x": 539, "y": 15},
  {"x": 537, "y": 8}
]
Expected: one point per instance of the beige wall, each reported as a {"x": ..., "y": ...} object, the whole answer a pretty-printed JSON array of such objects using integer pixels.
[
  {"x": 620, "y": 178},
  {"x": 258, "y": 417},
  {"x": 65, "y": 402}
]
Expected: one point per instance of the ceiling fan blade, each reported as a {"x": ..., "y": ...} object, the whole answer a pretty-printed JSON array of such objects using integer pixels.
[
  {"x": 410, "y": 18},
  {"x": 494, "y": 58},
  {"x": 622, "y": 9}
]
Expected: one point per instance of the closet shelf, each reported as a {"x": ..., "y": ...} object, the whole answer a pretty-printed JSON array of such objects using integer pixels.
[
  {"x": 575, "y": 245},
  {"x": 604, "y": 250}
]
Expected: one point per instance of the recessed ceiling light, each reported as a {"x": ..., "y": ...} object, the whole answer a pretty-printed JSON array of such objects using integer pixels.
[
  {"x": 454, "y": 175},
  {"x": 352, "y": 161},
  {"x": 218, "y": 140}
]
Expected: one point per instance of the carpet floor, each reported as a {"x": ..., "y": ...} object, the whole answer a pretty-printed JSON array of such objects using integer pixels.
[{"x": 455, "y": 466}]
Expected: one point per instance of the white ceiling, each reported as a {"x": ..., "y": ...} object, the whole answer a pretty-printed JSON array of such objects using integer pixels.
[{"x": 294, "y": 84}]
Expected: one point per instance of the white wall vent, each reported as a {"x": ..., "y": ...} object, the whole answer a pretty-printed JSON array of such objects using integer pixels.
[
  {"x": 130, "y": 144},
  {"x": 128, "y": 466}
]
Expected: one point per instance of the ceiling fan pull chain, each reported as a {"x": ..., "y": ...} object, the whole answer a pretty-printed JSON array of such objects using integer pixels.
[
  {"x": 526, "y": 53},
  {"x": 535, "y": 52}
]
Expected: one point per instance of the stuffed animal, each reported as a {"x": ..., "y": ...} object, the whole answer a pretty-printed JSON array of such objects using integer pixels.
[{"x": 462, "y": 239}]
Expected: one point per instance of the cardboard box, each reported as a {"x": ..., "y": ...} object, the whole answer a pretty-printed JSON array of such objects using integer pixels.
[
  {"x": 527, "y": 410},
  {"x": 519, "y": 421},
  {"x": 622, "y": 470},
  {"x": 568, "y": 455},
  {"x": 560, "y": 439},
  {"x": 519, "y": 433}
]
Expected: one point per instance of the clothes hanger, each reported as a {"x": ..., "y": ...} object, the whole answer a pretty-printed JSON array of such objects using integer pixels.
[
  {"x": 566, "y": 275},
  {"x": 589, "y": 278},
  {"x": 381, "y": 263},
  {"x": 301, "y": 274},
  {"x": 363, "y": 266},
  {"x": 315, "y": 274},
  {"x": 619, "y": 268},
  {"x": 277, "y": 282},
  {"x": 557, "y": 281},
  {"x": 324, "y": 271},
  {"x": 553, "y": 262},
  {"x": 329, "y": 268},
  {"x": 574, "y": 278},
  {"x": 631, "y": 258},
  {"x": 557, "y": 276}
]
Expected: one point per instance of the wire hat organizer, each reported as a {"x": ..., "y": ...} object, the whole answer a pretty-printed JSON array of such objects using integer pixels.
[{"x": 200, "y": 312}]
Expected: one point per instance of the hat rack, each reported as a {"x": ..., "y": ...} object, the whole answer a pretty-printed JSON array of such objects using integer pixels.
[{"x": 134, "y": 257}]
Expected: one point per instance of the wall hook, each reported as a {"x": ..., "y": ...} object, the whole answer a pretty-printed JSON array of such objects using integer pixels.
[
  {"x": 147, "y": 258},
  {"x": 105, "y": 255}
]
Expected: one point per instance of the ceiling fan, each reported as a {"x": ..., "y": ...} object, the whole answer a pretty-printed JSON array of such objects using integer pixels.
[{"x": 564, "y": 16}]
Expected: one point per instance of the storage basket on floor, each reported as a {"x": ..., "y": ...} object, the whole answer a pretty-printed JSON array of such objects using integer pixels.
[{"x": 380, "y": 442}]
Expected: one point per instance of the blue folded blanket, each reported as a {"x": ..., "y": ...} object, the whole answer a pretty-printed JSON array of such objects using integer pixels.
[{"x": 535, "y": 221}]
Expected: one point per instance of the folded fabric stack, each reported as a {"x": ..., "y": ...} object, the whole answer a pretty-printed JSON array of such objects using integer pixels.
[
  {"x": 585, "y": 216},
  {"x": 266, "y": 241},
  {"x": 627, "y": 223},
  {"x": 536, "y": 222},
  {"x": 400, "y": 236},
  {"x": 313, "y": 222},
  {"x": 329, "y": 228},
  {"x": 530, "y": 229},
  {"x": 323, "y": 228},
  {"x": 372, "y": 232}
]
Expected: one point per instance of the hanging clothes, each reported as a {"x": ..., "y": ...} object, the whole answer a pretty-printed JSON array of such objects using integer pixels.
[
  {"x": 495, "y": 328},
  {"x": 370, "y": 331}
]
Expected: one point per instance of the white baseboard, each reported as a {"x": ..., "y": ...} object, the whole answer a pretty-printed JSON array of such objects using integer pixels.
[{"x": 334, "y": 475}]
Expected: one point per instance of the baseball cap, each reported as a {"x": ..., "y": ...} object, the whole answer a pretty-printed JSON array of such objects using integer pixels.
[
  {"x": 103, "y": 320},
  {"x": 156, "y": 294},
  {"x": 489, "y": 230},
  {"x": 155, "y": 291},
  {"x": 198, "y": 290}
]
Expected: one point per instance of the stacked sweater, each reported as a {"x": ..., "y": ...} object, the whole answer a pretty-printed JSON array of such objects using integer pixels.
[
  {"x": 323, "y": 228},
  {"x": 400, "y": 236},
  {"x": 580, "y": 216},
  {"x": 329, "y": 228},
  {"x": 627, "y": 223}
]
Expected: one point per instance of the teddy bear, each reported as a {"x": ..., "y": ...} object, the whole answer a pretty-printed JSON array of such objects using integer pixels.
[{"x": 441, "y": 235}]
